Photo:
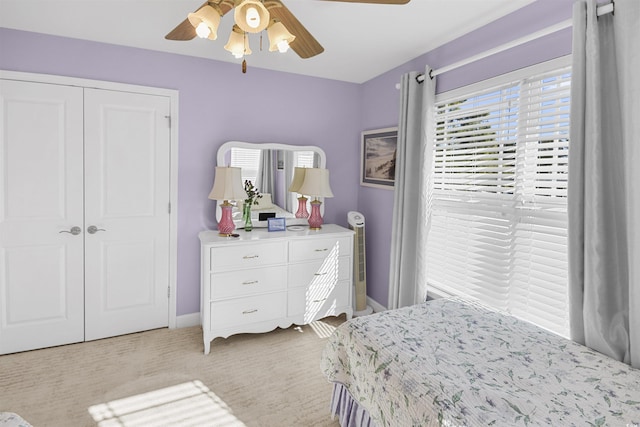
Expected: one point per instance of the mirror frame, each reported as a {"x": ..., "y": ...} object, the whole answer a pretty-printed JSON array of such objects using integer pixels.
[{"x": 226, "y": 147}]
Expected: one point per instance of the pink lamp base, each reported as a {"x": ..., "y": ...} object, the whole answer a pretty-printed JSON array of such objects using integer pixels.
[
  {"x": 226, "y": 225},
  {"x": 315, "y": 220},
  {"x": 302, "y": 208}
]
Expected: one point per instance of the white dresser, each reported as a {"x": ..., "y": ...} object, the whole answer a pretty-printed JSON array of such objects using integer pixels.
[{"x": 262, "y": 280}]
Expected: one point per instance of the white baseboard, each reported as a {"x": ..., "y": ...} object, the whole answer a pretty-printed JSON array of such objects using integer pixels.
[
  {"x": 377, "y": 307},
  {"x": 188, "y": 320}
]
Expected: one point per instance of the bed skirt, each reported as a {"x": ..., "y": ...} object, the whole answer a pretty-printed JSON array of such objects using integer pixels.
[{"x": 349, "y": 412}]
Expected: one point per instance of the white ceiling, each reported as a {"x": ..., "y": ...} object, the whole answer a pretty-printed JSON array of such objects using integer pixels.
[{"x": 361, "y": 41}]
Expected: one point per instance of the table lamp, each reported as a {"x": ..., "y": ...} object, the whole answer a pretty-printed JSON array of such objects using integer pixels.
[
  {"x": 316, "y": 184},
  {"x": 227, "y": 185},
  {"x": 298, "y": 179}
]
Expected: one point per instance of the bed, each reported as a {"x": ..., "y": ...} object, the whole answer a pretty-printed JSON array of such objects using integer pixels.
[
  {"x": 454, "y": 362},
  {"x": 9, "y": 419}
]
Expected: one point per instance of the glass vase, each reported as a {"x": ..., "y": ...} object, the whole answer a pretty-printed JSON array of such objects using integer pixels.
[{"x": 246, "y": 216}]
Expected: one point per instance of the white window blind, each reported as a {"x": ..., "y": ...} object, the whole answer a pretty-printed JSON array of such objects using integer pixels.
[
  {"x": 499, "y": 198},
  {"x": 249, "y": 160},
  {"x": 304, "y": 159}
]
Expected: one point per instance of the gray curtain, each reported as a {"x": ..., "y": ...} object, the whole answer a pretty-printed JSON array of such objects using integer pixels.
[
  {"x": 290, "y": 201},
  {"x": 604, "y": 173},
  {"x": 266, "y": 172},
  {"x": 414, "y": 158}
]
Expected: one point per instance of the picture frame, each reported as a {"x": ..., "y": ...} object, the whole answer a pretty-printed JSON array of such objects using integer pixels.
[
  {"x": 378, "y": 157},
  {"x": 276, "y": 224}
]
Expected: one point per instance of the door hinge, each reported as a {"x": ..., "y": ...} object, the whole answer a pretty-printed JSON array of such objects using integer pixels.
[
  {"x": 169, "y": 207},
  {"x": 168, "y": 120},
  {"x": 168, "y": 291}
]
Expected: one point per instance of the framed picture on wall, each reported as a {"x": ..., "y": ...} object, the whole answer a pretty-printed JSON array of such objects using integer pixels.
[{"x": 378, "y": 158}]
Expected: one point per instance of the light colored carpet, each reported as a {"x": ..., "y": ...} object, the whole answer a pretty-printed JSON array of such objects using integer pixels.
[{"x": 162, "y": 378}]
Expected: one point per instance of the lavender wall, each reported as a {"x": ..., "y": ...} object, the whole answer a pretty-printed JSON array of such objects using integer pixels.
[
  {"x": 217, "y": 104},
  {"x": 380, "y": 103}
]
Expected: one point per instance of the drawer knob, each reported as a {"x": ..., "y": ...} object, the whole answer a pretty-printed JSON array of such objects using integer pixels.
[
  {"x": 250, "y": 311},
  {"x": 252, "y": 282},
  {"x": 319, "y": 300},
  {"x": 250, "y": 256},
  {"x": 322, "y": 250},
  {"x": 320, "y": 274}
]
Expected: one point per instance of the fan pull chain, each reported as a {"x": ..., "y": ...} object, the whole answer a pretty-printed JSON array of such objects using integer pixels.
[{"x": 244, "y": 61}]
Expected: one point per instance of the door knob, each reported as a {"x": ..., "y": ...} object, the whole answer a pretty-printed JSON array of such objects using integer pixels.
[
  {"x": 74, "y": 230},
  {"x": 93, "y": 229}
]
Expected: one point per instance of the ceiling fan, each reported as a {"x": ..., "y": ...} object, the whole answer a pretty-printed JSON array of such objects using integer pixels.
[{"x": 253, "y": 16}]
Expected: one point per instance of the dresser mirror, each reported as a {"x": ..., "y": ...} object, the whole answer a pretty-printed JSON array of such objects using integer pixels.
[{"x": 269, "y": 166}]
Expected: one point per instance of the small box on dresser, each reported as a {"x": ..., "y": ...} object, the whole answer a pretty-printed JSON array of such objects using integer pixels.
[{"x": 260, "y": 281}]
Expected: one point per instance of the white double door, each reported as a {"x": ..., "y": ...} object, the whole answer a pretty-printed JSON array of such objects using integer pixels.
[{"x": 84, "y": 214}]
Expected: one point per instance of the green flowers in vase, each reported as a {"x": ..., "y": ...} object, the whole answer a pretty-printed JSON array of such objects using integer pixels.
[
  {"x": 252, "y": 193},
  {"x": 252, "y": 199}
]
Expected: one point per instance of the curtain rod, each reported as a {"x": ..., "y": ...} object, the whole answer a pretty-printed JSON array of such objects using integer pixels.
[{"x": 601, "y": 10}]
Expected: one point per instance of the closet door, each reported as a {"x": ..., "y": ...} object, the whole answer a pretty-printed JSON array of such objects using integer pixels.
[
  {"x": 41, "y": 260},
  {"x": 127, "y": 156}
]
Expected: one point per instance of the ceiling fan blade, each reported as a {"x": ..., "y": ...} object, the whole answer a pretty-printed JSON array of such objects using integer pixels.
[
  {"x": 185, "y": 31},
  {"x": 305, "y": 45},
  {"x": 374, "y": 1}
]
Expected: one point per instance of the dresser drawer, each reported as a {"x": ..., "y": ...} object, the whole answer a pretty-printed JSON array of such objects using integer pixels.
[
  {"x": 233, "y": 257},
  {"x": 321, "y": 272},
  {"x": 310, "y": 249},
  {"x": 316, "y": 302},
  {"x": 248, "y": 310},
  {"x": 249, "y": 281}
]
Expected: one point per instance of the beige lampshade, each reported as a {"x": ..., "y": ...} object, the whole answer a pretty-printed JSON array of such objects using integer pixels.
[
  {"x": 238, "y": 44},
  {"x": 279, "y": 37},
  {"x": 251, "y": 16},
  {"x": 227, "y": 184},
  {"x": 207, "y": 16},
  {"x": 298, "y": 179},
  {"x": 316, "y": 183}
]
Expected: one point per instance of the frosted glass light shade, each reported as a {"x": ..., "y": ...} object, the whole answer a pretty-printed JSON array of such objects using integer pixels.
[
  {"x": 238, "y": 44},
  {"x": 316, "y": 183},
  {"x": 207, "y": 16},
  {"x": 279, "y": 37},
  {"x": 227, "y": 184},
  {"x": 251, "y": 16}
]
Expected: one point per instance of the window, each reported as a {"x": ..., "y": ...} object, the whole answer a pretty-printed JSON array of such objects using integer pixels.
[
  {"x": 305, "y": 159},
  {"x": 499, "y": 197},
  {"x": 302, "y": 159},
  {"x": 249, "y": 160}
]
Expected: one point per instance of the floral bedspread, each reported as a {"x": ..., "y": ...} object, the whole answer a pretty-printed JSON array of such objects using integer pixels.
[{"x": 455, "y": 363}]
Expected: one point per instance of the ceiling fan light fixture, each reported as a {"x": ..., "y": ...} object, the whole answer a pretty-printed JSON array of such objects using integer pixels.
[
  {"x": 238, "y": 44},
  {"x": 279, "y": 37},
  {"x": 251, "y": 16},
  {"x": 206, "y": 21},
  {"x": 203, "y": 31}
]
